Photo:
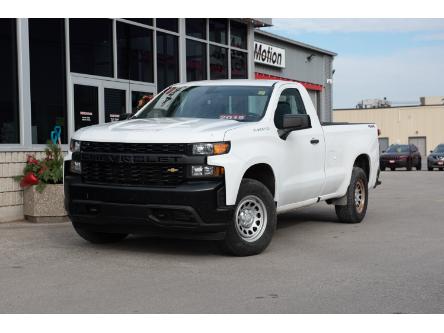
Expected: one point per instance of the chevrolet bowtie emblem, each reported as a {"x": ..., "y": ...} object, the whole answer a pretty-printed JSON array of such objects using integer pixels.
[{"x": 172, "y": 170}]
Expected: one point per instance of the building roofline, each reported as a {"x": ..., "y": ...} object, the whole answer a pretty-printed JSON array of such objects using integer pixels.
[
  {"x": 390, "y": 108},
  {"x": 294, "y": 42}
]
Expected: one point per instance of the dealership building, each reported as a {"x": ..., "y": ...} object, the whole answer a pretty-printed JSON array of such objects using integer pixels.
[{"x": 79, "y": 72}]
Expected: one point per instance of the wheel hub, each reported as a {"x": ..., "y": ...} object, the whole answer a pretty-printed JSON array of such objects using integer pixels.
[
  {"x": 246, "y": 218},
  {"x": 250, "y": 218},
  {"x": 360, "y": 195}
]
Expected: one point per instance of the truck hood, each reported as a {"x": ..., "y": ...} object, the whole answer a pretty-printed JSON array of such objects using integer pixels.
[{"x": 158, "y": 130}]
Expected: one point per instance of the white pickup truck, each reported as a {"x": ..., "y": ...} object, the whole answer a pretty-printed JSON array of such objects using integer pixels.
[{"x": 217, "y": 160}]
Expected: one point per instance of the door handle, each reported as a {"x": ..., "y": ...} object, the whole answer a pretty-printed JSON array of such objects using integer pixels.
[{"x": 314, "y": 141}]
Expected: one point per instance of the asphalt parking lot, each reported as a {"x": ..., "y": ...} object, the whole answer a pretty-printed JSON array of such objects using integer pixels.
[{"x": 393, "y": 262}]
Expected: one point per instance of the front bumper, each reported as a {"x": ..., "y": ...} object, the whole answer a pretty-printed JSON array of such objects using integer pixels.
[
  {"x": 193, "y": 208},
  {"x": 395, "y": 164},
  {"x": 433, "y": 163}
]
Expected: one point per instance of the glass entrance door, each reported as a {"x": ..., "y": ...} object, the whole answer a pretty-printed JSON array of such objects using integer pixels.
[
  {"x": 115, "y": 100},
  {"x": 86, "y": 105},
  {"x": 95, "y": 100}
]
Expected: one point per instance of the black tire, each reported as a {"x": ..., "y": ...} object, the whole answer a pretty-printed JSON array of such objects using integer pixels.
[
  {"x": 350, "y": 213},
  {"x": 429, "y": 168},
  {"x": 393, "y": 169},
  {"x": 236, "y": 244},
  {"x": 441, "y": 169},
  {"x": 98, "y": 237},
  {"x": 419, "y": 165},
  {"x": 383, "y": 168}
]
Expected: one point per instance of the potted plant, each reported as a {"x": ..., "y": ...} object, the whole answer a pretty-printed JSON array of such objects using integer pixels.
[{"x": 42, "y": 181}]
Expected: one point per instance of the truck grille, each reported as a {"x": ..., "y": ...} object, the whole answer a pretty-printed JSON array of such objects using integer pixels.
[
  {"x": 133, "y": 174},
  {"x": 139, "y": 173},
  {"x": 136, "y": 148}
]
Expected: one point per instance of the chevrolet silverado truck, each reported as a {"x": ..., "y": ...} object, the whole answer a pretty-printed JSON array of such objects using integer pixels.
[{"x": 217, "y": 160}]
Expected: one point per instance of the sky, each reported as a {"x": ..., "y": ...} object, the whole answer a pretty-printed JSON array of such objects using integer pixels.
[{"x": 401, "y": 59}]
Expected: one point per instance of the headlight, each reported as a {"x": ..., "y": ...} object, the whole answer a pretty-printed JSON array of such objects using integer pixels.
[
  {"x": 74, "y": 146},
  {"x": 206, "y": 171},
  {"x": 218, "y": 148}
]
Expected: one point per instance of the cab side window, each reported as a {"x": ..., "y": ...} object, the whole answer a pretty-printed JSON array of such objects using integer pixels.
[{"x": 290, "y": 102}]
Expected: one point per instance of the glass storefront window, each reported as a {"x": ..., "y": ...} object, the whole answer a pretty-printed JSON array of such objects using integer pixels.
[
  {"x": 48, "y": 78},
  {"x": 146, "y": 21},
  {"x": 218, "y": 63},
  {"x": 167, "y": 60},
  {"x": 239, "y": 65},
  {"x": 218, "y": 30},
  {"x": 171, "y": 24},
  {"x": 196, "y": 60},
  {"x": 91, "y": 46},
  {"x": 196, "y": 28},
  {"x": 9, "y": 110},
  {"x": 134, "y": 53},
  {"x": 238, "y": 34}
]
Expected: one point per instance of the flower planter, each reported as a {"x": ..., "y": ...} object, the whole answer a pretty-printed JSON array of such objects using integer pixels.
[{"x": 47, "y": 206}]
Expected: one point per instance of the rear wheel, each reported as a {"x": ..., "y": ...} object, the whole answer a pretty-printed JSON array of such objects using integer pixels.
[
  {"x": 393, "y": 169},
  {"x": 357, "y": 198},
  {"x": 98, "y": 237},
  {"x": 383, "y": 168},
  {"x": 430, "y": 168},
  {"x": 254, "y": 220}
]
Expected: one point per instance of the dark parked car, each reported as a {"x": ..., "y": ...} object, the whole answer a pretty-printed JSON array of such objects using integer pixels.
[
  {"x": 436, "y": 158},
  {"x": 400, "y": 156}
]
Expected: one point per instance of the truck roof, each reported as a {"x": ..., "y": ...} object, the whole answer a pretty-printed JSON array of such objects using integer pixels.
[{"x": 231, "y": 82}]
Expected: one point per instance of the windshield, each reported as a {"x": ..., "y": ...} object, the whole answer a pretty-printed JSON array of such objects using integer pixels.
[
  {"x": 241, "y": 103},
  {"x": 398, "y": 149},
  {"x": 439, "y": 149}
]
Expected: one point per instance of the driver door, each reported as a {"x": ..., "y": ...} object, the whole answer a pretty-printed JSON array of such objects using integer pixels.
[{"x": 304, "y": 153}]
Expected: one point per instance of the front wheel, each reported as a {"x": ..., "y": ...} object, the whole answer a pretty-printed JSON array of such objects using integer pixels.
[
  {"x": 357, "y": 198},
  {"x": 254, "y": 220},
  {"x": 419, "y": 165}
]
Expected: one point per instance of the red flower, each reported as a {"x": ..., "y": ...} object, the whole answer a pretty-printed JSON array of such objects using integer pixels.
[{"x": 29, "y": 179}]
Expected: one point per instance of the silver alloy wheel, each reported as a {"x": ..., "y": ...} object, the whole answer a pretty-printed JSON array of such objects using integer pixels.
[
  {"x": 360, "y": 195},
  {"x": 251, "y": 218}
]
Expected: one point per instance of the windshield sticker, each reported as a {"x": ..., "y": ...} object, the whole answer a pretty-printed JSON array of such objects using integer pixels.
[
  {"x": 168, "y": 96},
  {"x": 232, "y": 116}
]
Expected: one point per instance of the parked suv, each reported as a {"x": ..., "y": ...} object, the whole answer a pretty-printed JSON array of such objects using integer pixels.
[
  {"x": 400, "y": 156},
  {"x": 436, "y": 158}
]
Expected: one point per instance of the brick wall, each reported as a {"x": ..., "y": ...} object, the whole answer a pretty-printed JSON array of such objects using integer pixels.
[{"x": 11, "y": 195}]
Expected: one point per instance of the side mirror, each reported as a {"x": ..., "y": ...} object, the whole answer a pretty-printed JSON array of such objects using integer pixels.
[
  {"x": 431, "y": 151},
  {"x": 383, "y": 151},
  {"x": 125, "y": 116},
  {"x": 293, "y": 122}
]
